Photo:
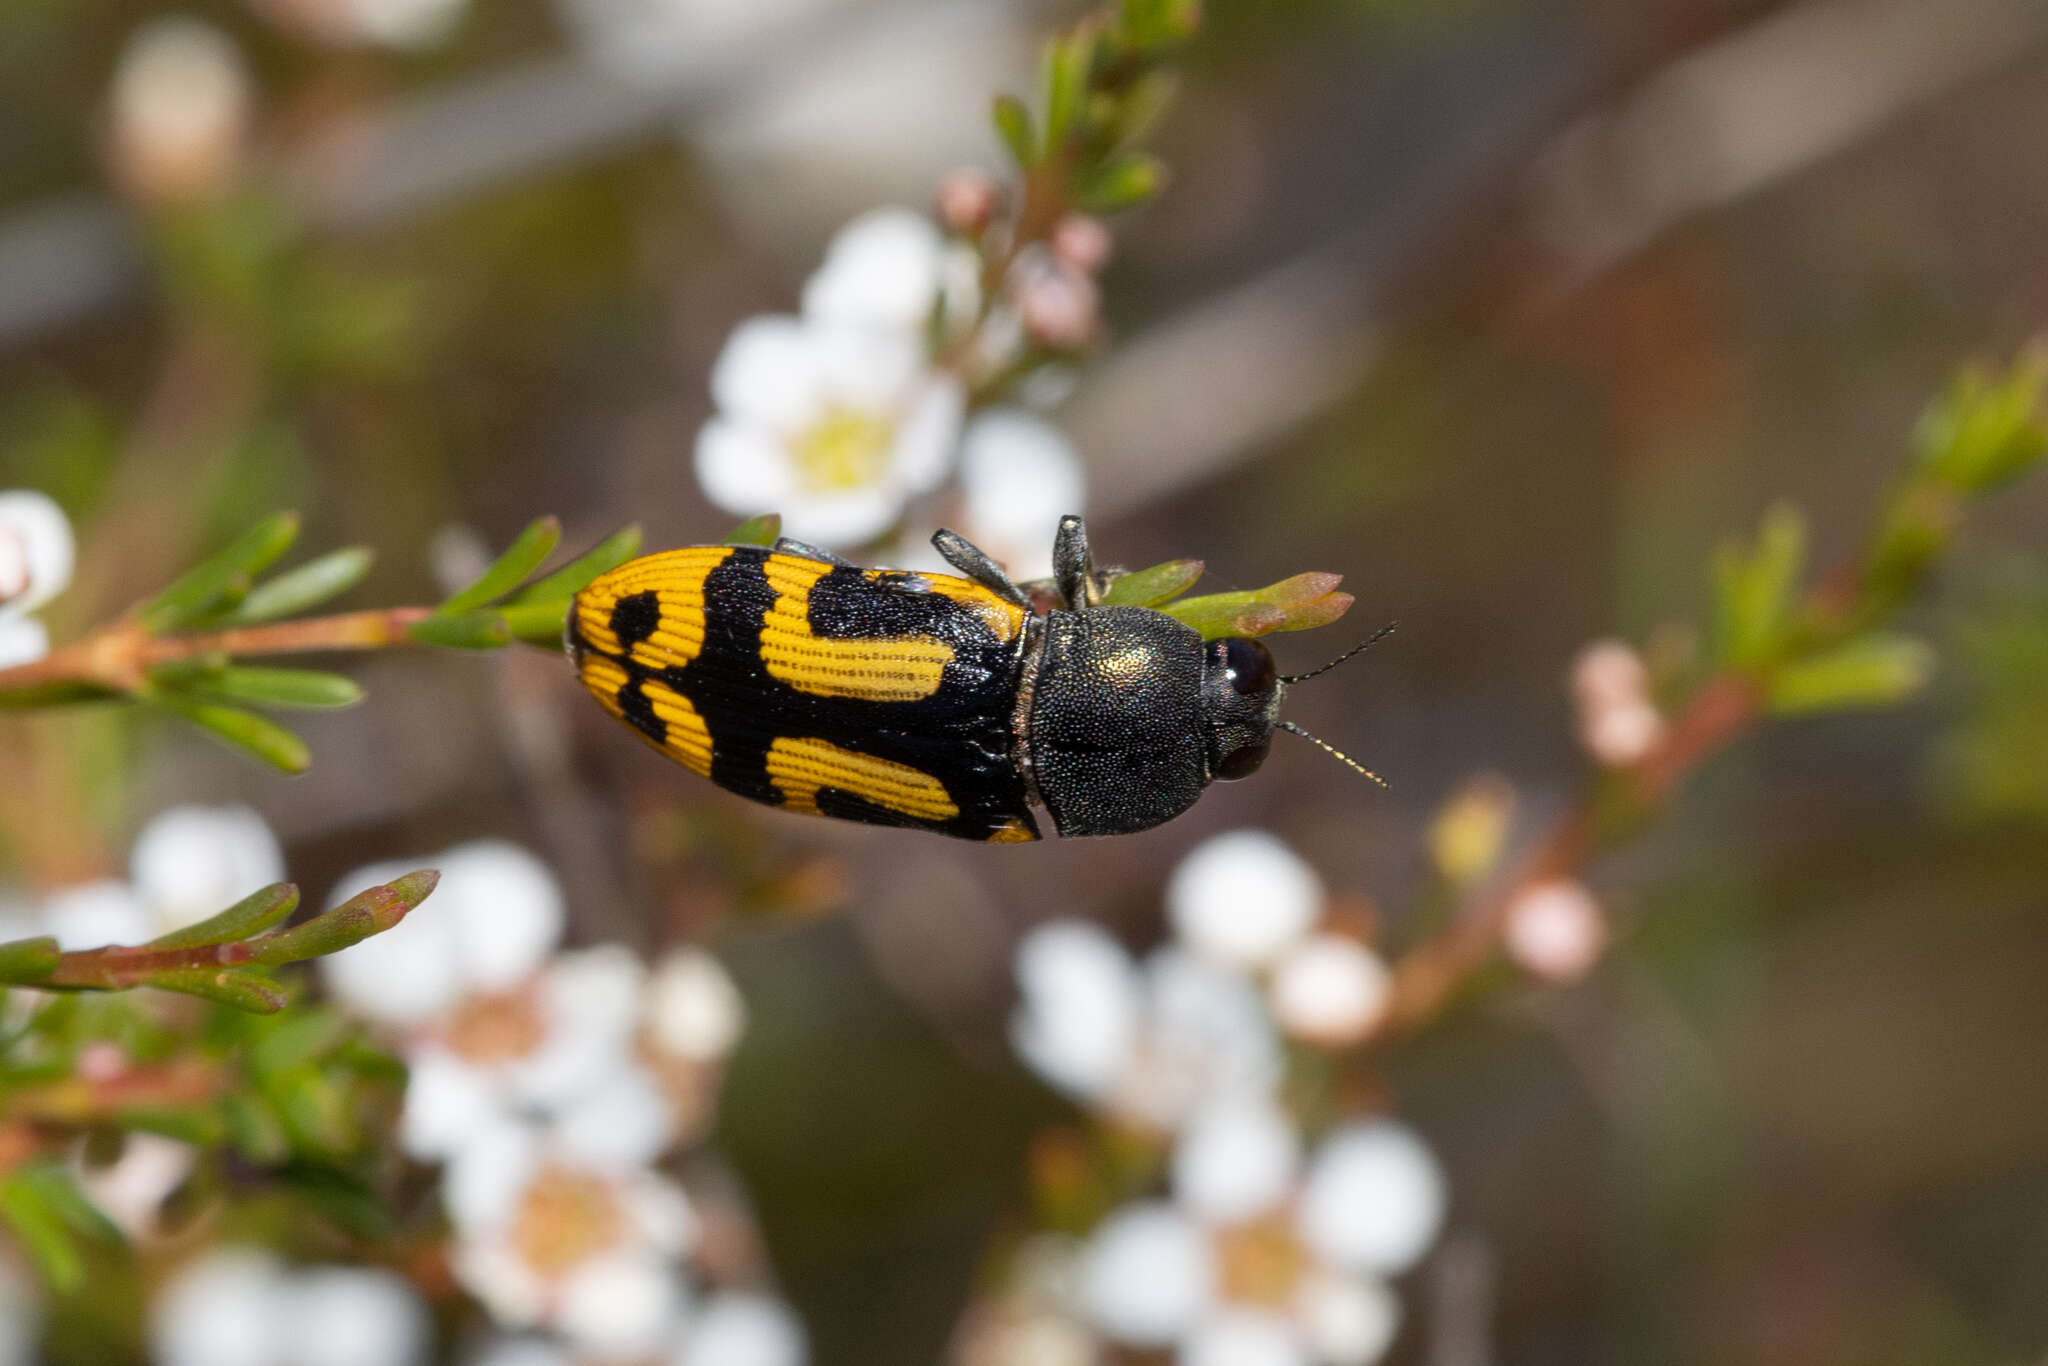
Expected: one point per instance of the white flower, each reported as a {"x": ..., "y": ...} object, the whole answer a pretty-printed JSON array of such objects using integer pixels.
[
  {"x": 489, "y": 925},
  {"x": 180, "y": 109},
  {"x": 241, "y": 1307},
  {"x": 1374, "y": 1199},
  {"x": 545, "y": 1240},
  {"x": 131, "y": 1189},
  {"x": 36, "y": 550},
  {"x": 1147, "y": 1274},
  {"x": 1329, "y": 989},
  {"x": 1556, "y": 930},
  {"x": 1618, "y": 719},
  {"x": 1078, "y": 1015},
  {"x": 835, "y": 427},
  {"x": 1019, "y": 474},
  {"x": 95, "y": 915},
  {"x": 883, "y": 270},
  {"x": 694, "y": 1012},
  {"x": 1241, "y": 898},
  {"x": 1236, "y": 1336},
  {"x": 1347, "y": 1320},
  {"x": 1235, "y": 1160},
  {"x": 405, "y": 24},
  {"x": 738, "y": 1328},
  {"x": 192, "y": 861}
]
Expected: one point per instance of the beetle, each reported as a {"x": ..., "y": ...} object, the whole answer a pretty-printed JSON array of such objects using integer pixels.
[{"x": 792, "y": 677}]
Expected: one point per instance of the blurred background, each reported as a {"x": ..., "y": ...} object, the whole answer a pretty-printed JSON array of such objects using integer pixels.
[{"x": 1509, "y": 312}]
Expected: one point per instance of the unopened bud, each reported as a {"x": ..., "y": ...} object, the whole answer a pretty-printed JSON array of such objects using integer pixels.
[
  {"x": 1330, "y": 990},
  {"x": 1556, "y": 930},
  {"x": 1618, "y": 721},
  {"x": 1083, "y": 242},
  {"x": 179, "y": 111},
  {"x": 967, "y": 201},
  {"x": 1466, "y": 836},
  {"x": 1059, "y": 305}
]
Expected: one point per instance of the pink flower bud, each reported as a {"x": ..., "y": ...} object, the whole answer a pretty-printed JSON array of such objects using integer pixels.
[
  {"x": 1618, "y": 720},
  {"x": 179, "y": 111},
  {"x": 1060, "y": 307},
  {"x": 967, "y": 201},
  {"x": 1083, "y": 242},
  {"x": 1556, "y": 930}
]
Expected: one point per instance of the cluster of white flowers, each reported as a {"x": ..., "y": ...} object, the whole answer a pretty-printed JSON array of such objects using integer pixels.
[
  {"x": 549, "y": 1083},
  {"x": 1267, "y": 1250},
  {"x": 36, "y": 555},
  {"x": 241, "y": 1306},
  {"x": 839, "y": 416}
]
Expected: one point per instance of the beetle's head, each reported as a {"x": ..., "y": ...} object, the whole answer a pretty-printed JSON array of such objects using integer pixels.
[{"x": 1241, "y": 703}]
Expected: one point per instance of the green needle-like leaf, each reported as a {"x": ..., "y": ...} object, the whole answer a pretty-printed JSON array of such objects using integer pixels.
[
  {"x": 228, "y": 572},
  {"x": 1300, "y": 603},
  {"x": 252, "y": 915},
  {"x": 469, "y": 631},
  {"x": 607, "y": 555},
  {"x": 1122, "y": 183},
  {"x": 760, "y": 530},
  {"x": 510, "y": 569},
  {"x": 1013, "y": 125},
  {"x": 1150, "y": 587},
  {"x": 536, "y": 623},
  {"x": 309, "y": 689},
  {"x": 1755, "y": 588},
  {"x": 367, "y": 913},
  {"x": 237, "y": 987},
  {"x": 245, "y": 730},
  {"x": 24, "y": 961},
  {"x": 307, "y": 586},
  {"x": 42, "y": 1231},
  {"x": 1876, "y": 670}
]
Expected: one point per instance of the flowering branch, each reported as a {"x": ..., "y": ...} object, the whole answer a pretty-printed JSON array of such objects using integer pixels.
[
  {"x": 221, "y": 958},
  {"x": 1779, "y": 653},
  {"x": 177, "y": 651}
]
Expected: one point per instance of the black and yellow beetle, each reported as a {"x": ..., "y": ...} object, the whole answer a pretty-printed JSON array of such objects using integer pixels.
[{"x": 794, "y": 678}]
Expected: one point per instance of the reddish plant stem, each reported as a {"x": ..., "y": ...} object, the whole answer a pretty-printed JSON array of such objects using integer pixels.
[
  {"x": 1429, "y": 974},
  {"x": 119, "y": 656},
  {"x": 78, "y": 1100},
  {"x": 116, "y": 967}
]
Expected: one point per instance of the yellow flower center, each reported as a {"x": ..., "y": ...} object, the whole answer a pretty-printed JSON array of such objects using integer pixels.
[
  {"x": 566, "y": 1218},
  {"x": 1260, "y": 1263},
  {"x": 844, "y": 449},
  {"x": 494, "y": 1029}
]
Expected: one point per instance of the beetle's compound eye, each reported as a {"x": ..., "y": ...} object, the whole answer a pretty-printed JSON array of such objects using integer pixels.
[
  {"x": 1242, "y": 762},
  {"x": 1248, "y": 666}
]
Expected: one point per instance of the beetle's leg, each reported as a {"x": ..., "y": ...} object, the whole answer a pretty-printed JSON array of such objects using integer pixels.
[
  {"x": 971, "y": 560},
  {"x": 785, "y": 545},
  {"x": 1073, "y": 568}
]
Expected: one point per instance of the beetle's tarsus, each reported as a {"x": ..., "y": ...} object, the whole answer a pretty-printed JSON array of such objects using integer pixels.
[{"x": 1073, "y": 568}]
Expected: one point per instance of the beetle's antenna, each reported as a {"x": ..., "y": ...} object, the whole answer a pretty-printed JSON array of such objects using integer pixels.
[
  {"x": 1380, "y": 634},
  {"x": 1293, "y": 729}
]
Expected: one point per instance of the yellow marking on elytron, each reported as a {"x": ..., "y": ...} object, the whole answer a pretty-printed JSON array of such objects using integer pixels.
[
  {"x": 802, "y": 767},
  {"x": 689, "y": 739},
  {"x": 686, "y": 738},
  {"x": 1012, "y": 831},
  {"x": 865, "y": 668},
  {"x": 676, "y": 578},
  {"x": 1005, "y": 619}
]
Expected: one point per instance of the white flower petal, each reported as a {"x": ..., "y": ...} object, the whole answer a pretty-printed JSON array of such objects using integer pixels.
[
  {"x": 620, "y": 1304},
  {"x": 1243, "y": 1337},
  {"x": 95, "y": 915},
  {"x": 743, "y": 467},
  {"x": 735, "y": 1328},
  {"x": 131, "y": 1189},
  {"x": 1374, "y": 1200},
  {"x": 486, "y": 1178},
  {"x": 522, "y": 1352},
  {"x": 21, "y": 1316},
  {"x": 493, "y": 1271},
  {"x": 867, "y": 369},
  {"x": 355, "y": 1316},
  {"x": 23, "y": 640},
  {"x": 841, "y": 518},
  {"x": 590, "y": 999},
  {"x": 1235, "y": 1160},
  {"x": 1330, "y": 989},
  {"x": 1556, "y": 930},
  {"x": 224, "y": 1309},
  {"x": 1147, "y": 1274},
  {"x": 192, "y": 861},
  {"x": 506, "y": 907},
  {"x": 694, "y": 1011},
  {"x": 1020, "y": 475},
  {"x": 405, "y": 976},
  {"x": 1347, "y": 1320},
  {"x": 1078, "y": 1012},
  {"x": 929, "y": 435},
  {"x": 1207, "y": 1035},
  {"x": 447, "y": 1103},
  {"x": 881, "y": 270},
  {"x": 769, "y": 372},
  {"x": 1242, "y": 897},
  {"x": 661, "y": 1214},
  {"x": 623, "y": 1122}
]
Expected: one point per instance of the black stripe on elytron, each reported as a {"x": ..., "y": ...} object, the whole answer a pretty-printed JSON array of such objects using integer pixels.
[
  {"x": 737, "y": 598},
  {"x": 635, "y": 617}
]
